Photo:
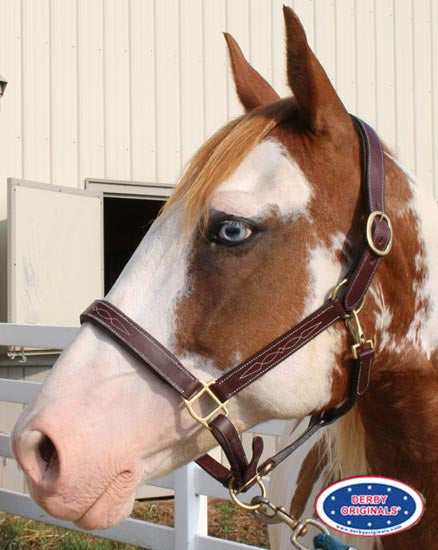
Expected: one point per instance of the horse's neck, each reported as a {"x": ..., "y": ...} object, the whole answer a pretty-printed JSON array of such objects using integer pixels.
[{"x": 399, "y": 411}]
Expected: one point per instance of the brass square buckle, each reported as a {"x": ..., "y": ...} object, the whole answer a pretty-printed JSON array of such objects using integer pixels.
[
  {"x": 221, "y": 407},
  {"x": 360, "y": 346}
]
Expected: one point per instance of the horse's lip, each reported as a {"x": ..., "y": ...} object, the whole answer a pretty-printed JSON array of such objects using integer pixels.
[{"x": 92, "y": 518}]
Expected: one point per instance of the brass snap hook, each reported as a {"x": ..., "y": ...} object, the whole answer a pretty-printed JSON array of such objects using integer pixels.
[{"x": 301, "y": 529}]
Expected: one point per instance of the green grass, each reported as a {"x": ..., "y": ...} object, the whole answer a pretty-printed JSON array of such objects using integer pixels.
[
  {"x": 226, "y": 524},
  {"x": 17, "y": 533}
]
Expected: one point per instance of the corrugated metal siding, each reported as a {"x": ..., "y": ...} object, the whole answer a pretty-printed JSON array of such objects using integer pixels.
[{"x": 128, "y": 89}]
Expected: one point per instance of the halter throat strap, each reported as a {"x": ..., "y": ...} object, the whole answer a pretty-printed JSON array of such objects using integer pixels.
[{"x": 144, "y": 347}]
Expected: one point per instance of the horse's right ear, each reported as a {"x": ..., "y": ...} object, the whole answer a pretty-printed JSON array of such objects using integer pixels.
[
  {"x": 316, "y": 99},
  {"x": 251, "y": 87}
]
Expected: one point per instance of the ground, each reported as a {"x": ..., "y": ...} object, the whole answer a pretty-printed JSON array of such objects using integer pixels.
[{"x": 224, "y": 520}]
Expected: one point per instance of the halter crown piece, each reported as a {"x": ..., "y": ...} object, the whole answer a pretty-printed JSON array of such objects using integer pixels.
[{"x": 345, "y": 303}]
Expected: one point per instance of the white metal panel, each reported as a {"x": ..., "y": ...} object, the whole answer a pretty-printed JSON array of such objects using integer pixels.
[
  {"x": 117, "y": 96},
  {"x": 238, "y": 25},
  {"x": 192, "y": 73},
  {"x": 55, "y": 253},
  {"x": 260, "y": 36},
  {"x": 346, "y": 54},
  {"x": 143, "y": 121},
  {"x": 90, "y": 90},
  {"x": 167, "y": 105},
  {"x": 325, "y": 37},
  {"x": 216, "y": 69},
  {"x": 385, "y": 76},
  {"x": 366, "y": 61},
  {"x": 36, "y": 88},
  {"x": 423, "y": 92},
  {"x": 11, "y": 136},
  {"x": 404, "y": 77},
  {"x": 63, "y": 93},
  {"x": 163, "y": 83},
  {"x": 434, "y": 38}
]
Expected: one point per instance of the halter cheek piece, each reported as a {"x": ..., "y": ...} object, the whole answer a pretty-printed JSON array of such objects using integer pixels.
[{"x": 344, "y": 303}]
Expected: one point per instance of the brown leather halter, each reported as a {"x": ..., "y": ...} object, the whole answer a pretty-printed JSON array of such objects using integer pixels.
[{"x": 344, "y": 303}]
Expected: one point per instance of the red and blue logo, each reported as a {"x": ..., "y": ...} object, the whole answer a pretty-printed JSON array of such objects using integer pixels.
[{"x": 369, "y": 506}]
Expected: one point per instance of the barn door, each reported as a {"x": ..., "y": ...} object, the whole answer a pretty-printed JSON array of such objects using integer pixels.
[{"x": 55, "y": 252}]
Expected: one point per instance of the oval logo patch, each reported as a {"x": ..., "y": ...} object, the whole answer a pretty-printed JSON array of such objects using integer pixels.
[{"x": 369, "y": 506}]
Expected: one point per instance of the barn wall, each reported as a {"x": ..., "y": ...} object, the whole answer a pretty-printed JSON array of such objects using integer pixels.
[{"x": 129, "y": 89}]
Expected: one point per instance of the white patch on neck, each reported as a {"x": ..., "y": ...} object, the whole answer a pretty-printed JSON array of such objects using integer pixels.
[
  {"x": 422, "y": 332},
  {"x": 268, "y": 177}
]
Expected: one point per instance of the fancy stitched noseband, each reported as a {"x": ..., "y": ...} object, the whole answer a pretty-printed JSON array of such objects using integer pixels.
[{"x": 344, "y": 304}]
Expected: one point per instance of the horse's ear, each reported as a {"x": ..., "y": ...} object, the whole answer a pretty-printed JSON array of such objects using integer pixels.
[
  {"x": 252, "y": 88},
  {"x": 316, "y": 98}
]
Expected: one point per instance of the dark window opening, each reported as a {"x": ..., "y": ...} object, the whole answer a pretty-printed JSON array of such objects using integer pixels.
[{"x": 126, "y": 222}]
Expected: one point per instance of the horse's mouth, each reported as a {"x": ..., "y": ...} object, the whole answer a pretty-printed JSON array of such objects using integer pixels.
[{"x": 113, "y": 505}]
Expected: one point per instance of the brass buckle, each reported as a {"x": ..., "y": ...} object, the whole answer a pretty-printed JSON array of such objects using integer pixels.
[
  {"x": 370, "y": 222},
  {"x": 221, "y": 407},
  {"x": 361, "y": 345}
]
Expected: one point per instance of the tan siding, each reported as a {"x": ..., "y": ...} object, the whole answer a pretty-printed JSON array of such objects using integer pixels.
[
  {"x": 122, "y": 89},
  {"x": 434, "y": 46},
  {"x": 117, "y": 96},
  {"x": 36, "y": 88},
  {"x": 423, "y": 91},
  {"x": 119, "y": 89},
  {"x": 90, "y": 90},
  {"x": 63, "y": 92},
  {"x": 142, "y": 70},
  {"x": 11, "y": 130}
]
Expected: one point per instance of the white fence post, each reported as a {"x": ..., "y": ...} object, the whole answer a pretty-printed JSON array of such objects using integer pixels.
[{"x": 190, "y": 509}]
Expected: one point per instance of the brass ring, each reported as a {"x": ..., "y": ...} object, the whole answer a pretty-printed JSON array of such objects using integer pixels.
[
  {"x": 370, "y": 222},
  {"x": 335, "y": 291},
  {"x": 250, "y": 507}
]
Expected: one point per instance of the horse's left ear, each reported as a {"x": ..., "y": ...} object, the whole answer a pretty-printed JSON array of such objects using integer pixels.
[
  {"x": 251, "y": 87},
  {"x": 317, "y": 101}
]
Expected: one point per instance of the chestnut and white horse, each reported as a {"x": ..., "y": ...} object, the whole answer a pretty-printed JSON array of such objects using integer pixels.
[{"x": 262, "y": 225}]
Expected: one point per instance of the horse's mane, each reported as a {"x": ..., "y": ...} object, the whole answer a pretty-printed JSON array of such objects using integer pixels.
[
  {"x": 220, "y": 156},
  {"x": 343, "y": 448}
]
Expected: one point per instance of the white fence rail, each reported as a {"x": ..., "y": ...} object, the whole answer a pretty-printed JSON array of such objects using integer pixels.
[{"x": 191, "y": 484}]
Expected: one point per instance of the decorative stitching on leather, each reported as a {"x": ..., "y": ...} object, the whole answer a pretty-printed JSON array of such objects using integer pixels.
[
  {"x": 155, "y": 344},
  {"x": 137, "y": 351},
  {"x": 271, "y": 357},
  {"x": 234, "y": 372},
  {"x": 114, "y": 321}
]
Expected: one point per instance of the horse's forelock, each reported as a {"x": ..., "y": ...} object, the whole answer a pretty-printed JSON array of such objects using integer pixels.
[{"x": 220, "y": 156}]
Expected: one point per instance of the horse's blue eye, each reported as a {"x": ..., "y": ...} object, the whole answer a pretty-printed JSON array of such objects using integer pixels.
[{"x": 234, "y": 231}]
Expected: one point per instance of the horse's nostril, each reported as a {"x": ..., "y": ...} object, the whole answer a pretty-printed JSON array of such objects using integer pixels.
[{"x": 47, "y": 450}]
